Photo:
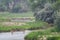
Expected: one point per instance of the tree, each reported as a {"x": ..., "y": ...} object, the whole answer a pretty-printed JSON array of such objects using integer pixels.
[
  {"x": 46, "y": 14},
  {"x": 37, "y": 4},
  {"x": 45, "y": 10},
  {"x": 11, "y": 5},
  {"x": 4, "y": 4},
  {"x": 56, "y": 5}
]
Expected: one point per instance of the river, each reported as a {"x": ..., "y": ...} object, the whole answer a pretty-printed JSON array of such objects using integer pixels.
[{"x": 19, "y": 35}]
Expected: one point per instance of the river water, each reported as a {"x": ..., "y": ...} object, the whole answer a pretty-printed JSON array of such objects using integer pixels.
[{"x": 15, "y": 36}]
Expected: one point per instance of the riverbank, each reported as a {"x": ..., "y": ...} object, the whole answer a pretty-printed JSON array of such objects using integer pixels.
[
  {"x": 4, "y": 27},
  {"x": 47, "y": 34}
]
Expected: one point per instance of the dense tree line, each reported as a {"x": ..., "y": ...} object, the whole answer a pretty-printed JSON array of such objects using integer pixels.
[
  {"x": 18, "y": 5},
  {"x": 14, "y": 5}
]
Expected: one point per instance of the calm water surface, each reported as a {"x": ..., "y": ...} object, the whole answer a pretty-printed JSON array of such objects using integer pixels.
[{"x": 15, "y": 36}]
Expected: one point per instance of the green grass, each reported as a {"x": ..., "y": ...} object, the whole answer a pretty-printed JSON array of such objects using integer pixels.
[
  {"x": 36, "y": 25},
  {"x": 14, "y": 15},
  {"x": 28, "y": 26},
  {"x": 39, "y": 34},
  {"x": 6, "y": 16}
]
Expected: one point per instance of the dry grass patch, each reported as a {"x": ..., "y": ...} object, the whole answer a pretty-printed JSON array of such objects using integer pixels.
[{"x": 13, "y": 23}]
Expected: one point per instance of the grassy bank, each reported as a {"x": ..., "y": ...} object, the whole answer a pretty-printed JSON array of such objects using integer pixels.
[
  {"x": 49, "y": 34},
  {"x": 12, "y": 15},
  {"x": 28, "y": 26},
  {"x": 6, "y": 16}
]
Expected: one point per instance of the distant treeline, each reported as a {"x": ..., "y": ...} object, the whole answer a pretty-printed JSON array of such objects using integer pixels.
[
  {"x": 25, "y": 5},
  {"x": 14, "y": 5}
]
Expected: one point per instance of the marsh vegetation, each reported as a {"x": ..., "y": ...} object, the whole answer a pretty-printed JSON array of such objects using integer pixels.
[{"x": 42, "y": 17}]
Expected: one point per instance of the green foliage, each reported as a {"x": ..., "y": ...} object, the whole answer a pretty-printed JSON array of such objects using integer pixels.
[
  {"x": 36, "y": 35},
  {"x": 56, "y": 5},
  {"x": 53, "y": 38},
  {"x": 4, "y": 5},
  {"x": 34, "y": 4},
  {"x": 37, "y": 4},
  {"x": 12, "y": 5},
  {"x": 32, "y": 36},
  {"x": 58, "y": 24}
]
